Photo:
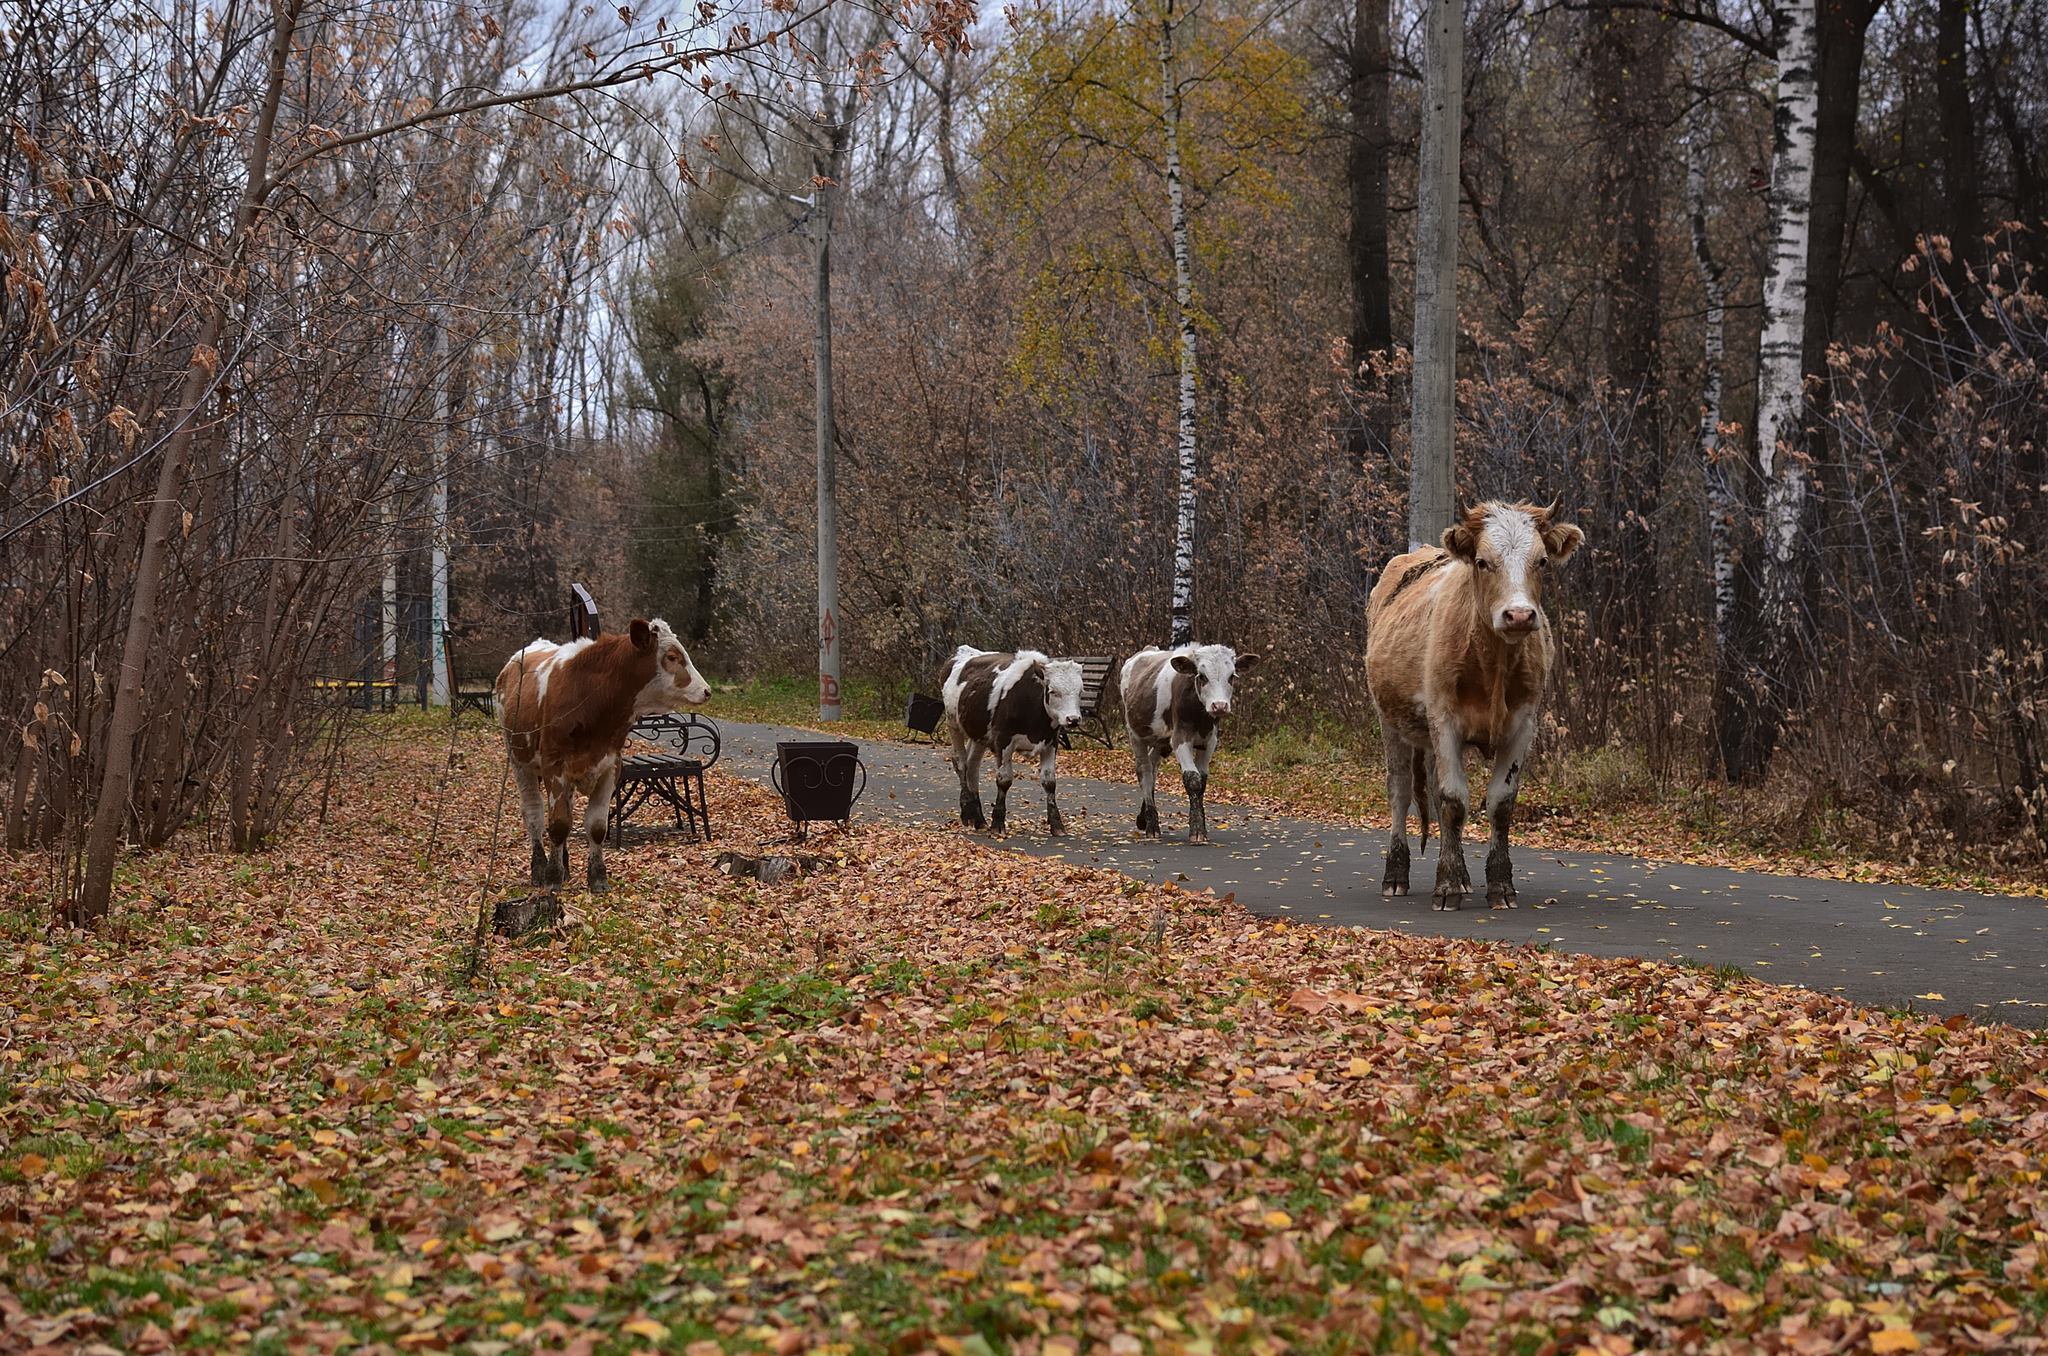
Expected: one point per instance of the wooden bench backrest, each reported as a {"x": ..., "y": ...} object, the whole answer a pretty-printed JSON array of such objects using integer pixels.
[{"x": 1095, "y": 671}]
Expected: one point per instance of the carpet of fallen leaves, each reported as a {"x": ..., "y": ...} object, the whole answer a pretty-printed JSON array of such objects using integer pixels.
[{"x": 941, "y": 1099}]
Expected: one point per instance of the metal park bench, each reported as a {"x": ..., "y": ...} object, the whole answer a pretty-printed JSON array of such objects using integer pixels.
[
  {"x": 1095, "y": 671},
  {"x": 672, "y": 772}
]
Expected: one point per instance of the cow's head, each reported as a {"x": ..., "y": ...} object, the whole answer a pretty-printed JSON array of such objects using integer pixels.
[
  {"x": 1063, "y": 692},
  {"x": 676, "y": 680},
  {"x": 1212, "y": 667},
  {"x": 1510, "y": 547}
]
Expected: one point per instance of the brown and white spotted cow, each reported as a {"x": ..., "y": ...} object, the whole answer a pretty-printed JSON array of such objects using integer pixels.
[
  {"x": 1173, "y": 700},
  {"x": 566, "y": 711},
  {"x": 1458, "y": 652},
  {"x": 1008, "y": 703}
]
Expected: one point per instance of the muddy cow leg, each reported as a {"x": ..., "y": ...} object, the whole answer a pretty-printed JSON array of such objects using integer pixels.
[
  {"x": 967, "y": 764},
  {"x": 559, "y": 796},
  {"x": 1401, "y": 790},
  {"x": 1453, "y": 794},
  {"x": 597, "y": 823},
  {"x": 533, "y": 810},
  {"x": 1508, "y": 766},
  {"x": 1146, "y": 755},
  {"x": 1049, "y": 782},
  {"x": 1006, "y": 773},
  {"x": 1194, "y": 779}
]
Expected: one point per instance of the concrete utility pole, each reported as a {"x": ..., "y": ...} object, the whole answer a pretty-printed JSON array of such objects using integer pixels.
[
  {"x": 828, "y": 495},
  {"x": 1433, "y": 459}
]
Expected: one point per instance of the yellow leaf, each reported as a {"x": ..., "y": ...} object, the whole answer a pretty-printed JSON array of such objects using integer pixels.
[
  {"x": 33, "y": 1165},
  {"x": 1359, "y": 1068},
  {"x": 647, "y": 1328},
  {"x": 1277, "y": 1219},
  {"x": 1932, "y": 998},
  {"x": 1895, "y": 1339}
]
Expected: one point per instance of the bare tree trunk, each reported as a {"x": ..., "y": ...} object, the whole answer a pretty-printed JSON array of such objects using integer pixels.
[
  {"x": 110, "y": 814},
  {"x": 261, "y": 682},
  {"x": 1433, "y": 467},
  {"x": 1781, "y": 456},
  {"x": 1372, "y": 324},
  {"x": 1959, "y": 184},
  {"x": 1182, "y": 630},
  {"x": 1720, "y": 497}
]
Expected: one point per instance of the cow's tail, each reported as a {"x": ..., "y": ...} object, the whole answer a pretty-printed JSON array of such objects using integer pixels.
[{"x": 1418, "y": 781}]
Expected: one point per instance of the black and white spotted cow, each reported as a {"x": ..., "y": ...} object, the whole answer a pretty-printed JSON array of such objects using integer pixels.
[
  {"x": 1008, "y": 704},
  {"x": 1172, "y": 702}
]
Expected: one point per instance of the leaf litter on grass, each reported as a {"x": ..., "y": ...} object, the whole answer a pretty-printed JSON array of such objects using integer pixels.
[{"x": 934, "y": 1097}]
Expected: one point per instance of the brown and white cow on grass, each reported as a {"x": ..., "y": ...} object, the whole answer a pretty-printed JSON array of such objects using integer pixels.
[
  {"x": 1008, "y": 703},
  {"x": 1172, "y": 702},
  {"x": 1457, "y": 655},
  {"x": 566, "y": 711}
]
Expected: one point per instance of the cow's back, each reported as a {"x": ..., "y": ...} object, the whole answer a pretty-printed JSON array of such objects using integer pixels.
[
  {"x": 1400, "y": 632},
  {"x": 520, "y": 693},
  {"x": 1157, "y": 700},
  {"x": 970, "y": 681}
]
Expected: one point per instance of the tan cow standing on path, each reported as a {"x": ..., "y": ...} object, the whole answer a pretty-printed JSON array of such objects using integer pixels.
[
  {"x": 566, "y": 711},
  {"x": 1458, "y": 653}
]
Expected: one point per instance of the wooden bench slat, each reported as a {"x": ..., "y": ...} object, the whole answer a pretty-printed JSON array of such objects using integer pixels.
[{"x": 672, "y": 773}]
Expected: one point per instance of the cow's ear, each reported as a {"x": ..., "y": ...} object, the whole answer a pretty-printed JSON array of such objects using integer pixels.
[
  {"x": 1247, "y": 661},
  {"x": 1462, "y": 542},
  {"x": 642, "y": 634},
  {"x": 1183, "y": 664},
  {"x": 1561, "y": 539}
]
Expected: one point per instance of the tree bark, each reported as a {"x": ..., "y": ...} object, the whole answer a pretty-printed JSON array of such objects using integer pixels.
[
  {"x": 1760, "y": 704},
  {"x": 241, "y": 829},
  {"x": 110, "y": 813},
  {"x": 1632, "y": 56},
  {"x": 827, "y": 159},
  {"x": 1432, "y": 470},
  {"x": 1182, "y": 627},
  {"x": 1372, "y": 324},
  {"x": 1841, "y": 27},
  {"x": 1959, "y": 186}
]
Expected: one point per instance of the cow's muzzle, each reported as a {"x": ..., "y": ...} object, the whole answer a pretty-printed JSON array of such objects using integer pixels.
[
  {"x": 1518, "y": 620},
  {"x": 1219, "y": 708},
  {"x": 1071, "y": 721}
]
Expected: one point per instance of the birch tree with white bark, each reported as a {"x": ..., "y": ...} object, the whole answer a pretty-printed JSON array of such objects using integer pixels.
[
  {"x": 1182, "y": 631},
  {"x": 1780, "y": 396}
]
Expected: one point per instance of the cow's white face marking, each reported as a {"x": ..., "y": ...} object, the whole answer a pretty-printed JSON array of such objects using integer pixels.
[
  {"x": 1212, "y": 667},
  {"x": 1063, "y": 692},
  {"x": 1507, "y": 562},
  {"x": 676, "y": 680}
]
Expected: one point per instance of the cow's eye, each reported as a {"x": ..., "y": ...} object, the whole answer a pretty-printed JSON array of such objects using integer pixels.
[
  {"x": 1479, "y": 564},
  {"x": 1543, "y": 562}
]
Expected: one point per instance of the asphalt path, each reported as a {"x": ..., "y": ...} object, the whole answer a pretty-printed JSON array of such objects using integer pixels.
[{"x": 1937, "y": 951}]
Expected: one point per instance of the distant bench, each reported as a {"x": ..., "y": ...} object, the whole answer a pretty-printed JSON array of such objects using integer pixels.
[
  {"x": 1095, "y": 671},
  {"x": 380, "y": 693},
  {"x": 672, "y": 772}
]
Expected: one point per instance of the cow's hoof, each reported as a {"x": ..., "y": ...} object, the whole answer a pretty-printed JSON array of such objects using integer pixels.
[
  {"x": 1054, "y": 824},
  {"x": 1198, "y": 837},
  {"x": 970, "y": 813},
  {"x": 600, "y": 887},
  {"x": 997, "y": 824},
  {"x": 1448, "y": 903},
  {"x": 1501, "y": 901}
]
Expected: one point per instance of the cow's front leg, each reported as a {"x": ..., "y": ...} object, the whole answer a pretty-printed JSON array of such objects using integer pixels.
[
  {"x": 533, "y": 810},
  {"x": 559, "y": 795},
  {"x": 1401, "y": 789},
  {"x": 1194, "y": 779},
  {"x": 967, "y": 764},
  {"x": 1049, "y": 782},
  {"x": 597, "y": 823},
  {"x": 1453, "y": 794},
  {"x": 1508, "y": 766},
  {"x": 1005, "y": 774},
  {"x": 1146, "y": 755}
]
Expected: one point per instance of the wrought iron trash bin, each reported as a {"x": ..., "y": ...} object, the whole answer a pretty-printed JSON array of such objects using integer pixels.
[{"x": 818, "y": 779}]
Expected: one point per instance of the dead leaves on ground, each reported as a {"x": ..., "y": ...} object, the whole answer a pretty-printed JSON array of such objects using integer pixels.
[{"x": 943, "y": 1099}]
